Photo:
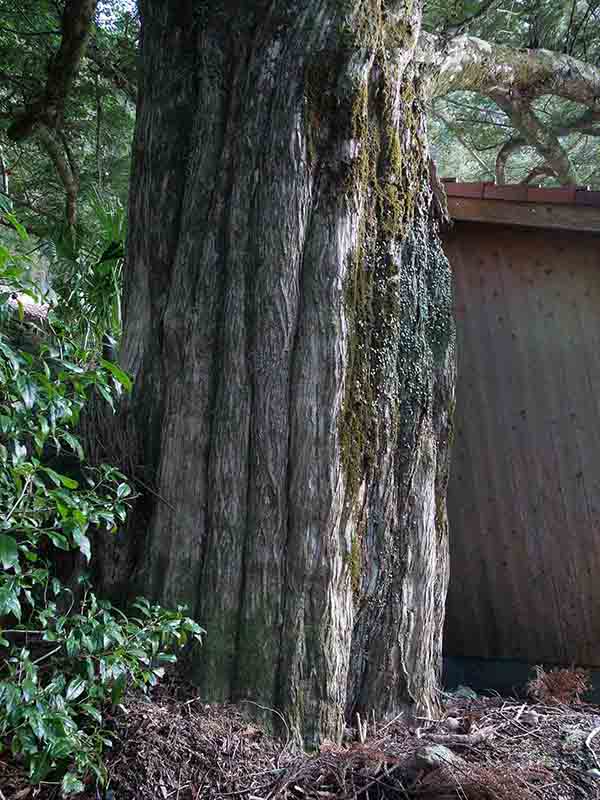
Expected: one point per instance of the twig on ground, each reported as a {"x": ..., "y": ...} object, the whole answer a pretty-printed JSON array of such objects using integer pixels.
[
  {"x": 464, "y": 739},
  {"x": 278, "y": 714},
  {"x": 588, "y": 744}
]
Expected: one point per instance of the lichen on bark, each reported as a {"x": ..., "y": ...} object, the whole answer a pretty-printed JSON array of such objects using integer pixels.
[{"x": 397, "y": 303}]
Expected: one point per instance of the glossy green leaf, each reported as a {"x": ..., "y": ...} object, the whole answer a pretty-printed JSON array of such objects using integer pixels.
[
  {"x": 9, "y": 553},
  {"x": 76, "y": 688},
  {"x": 121, "y": 376}
]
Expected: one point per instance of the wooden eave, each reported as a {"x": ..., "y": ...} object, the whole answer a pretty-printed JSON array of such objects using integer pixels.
[{"x": 565, "y": 208}]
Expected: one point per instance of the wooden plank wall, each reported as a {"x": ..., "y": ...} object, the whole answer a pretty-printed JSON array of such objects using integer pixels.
[{"x": 524, "y": 496}]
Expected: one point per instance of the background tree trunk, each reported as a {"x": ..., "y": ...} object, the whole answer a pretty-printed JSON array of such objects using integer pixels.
[{"x": 288, "y": 325}]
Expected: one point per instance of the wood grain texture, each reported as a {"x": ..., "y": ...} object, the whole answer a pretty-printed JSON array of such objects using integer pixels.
[{"x": 524, "y": 496}]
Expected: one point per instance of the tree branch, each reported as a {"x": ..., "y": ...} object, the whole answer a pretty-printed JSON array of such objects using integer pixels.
[
  {"x": 583, "y": 125},
  {"x": 513, "y": 79},
  {"x": 6, "y": 29},
  {"x": 48, "y": 109},
  {"x": 505, "y": 152},
  {"x": 460, "y": 138},
  {"x": 111, "y": 72},
  {"x": 456, "y": 28},
  {"x": 39, "y": 212},
  {"x": 3, "y": 175},
  {"x": 467, "y": 63},
  {"x": 541, "y": 171},
  {"x": 539, "y": 136},
  {"x": 66, "y": 168}
]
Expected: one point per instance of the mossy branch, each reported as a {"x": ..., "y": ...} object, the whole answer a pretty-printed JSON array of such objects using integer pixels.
[{"x": 514, "y": 79}]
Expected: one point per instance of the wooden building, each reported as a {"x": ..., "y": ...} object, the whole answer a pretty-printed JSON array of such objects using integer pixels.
[{"x": 524, "y": 496}]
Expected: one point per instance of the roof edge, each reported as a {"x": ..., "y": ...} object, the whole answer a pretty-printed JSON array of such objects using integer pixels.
[{"x": 520, "y": 193}]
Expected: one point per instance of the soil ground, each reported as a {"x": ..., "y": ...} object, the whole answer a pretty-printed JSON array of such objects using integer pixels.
[{"x": 172, "y": 746}]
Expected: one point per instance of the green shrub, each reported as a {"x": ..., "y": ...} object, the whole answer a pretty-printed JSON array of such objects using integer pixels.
[
  {"x": 86, "y": 274},
  {"x": 64, "y": 654}
]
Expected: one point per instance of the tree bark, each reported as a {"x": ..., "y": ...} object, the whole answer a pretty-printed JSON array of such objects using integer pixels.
[
  {"x": 288, "y": 326},
  {"x": 48, "y": 108}
]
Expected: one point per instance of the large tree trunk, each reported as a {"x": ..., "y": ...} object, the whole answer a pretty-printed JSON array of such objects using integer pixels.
[{"x": 288, "y": 326}]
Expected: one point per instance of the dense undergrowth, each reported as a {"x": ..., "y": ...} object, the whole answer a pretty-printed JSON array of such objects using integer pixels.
[{"x": 65, "y": 655}]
